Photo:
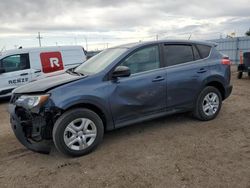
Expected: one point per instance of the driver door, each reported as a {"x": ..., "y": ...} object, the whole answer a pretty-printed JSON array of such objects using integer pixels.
[{"x": 143, "y": 93}]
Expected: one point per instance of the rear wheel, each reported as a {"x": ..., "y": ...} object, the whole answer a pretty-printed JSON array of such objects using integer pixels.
[
  {"x": 78, "y": 132},
  {"x": 240, "y": 75},
  {"x": 208, "y": 104},
  {"x": 249, "y": 74}
]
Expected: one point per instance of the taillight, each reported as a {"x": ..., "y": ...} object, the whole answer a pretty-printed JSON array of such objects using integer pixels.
[{"x": 225, "y": 61}]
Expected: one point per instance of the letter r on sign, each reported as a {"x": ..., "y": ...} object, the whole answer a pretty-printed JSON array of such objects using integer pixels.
[{"x": 54, "y": 62}]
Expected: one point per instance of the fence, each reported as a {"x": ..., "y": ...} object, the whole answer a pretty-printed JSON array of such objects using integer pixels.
[{"x": 233, "y": 46}]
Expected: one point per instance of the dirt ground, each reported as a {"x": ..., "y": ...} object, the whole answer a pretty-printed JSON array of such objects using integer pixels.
[{"x": 174, "y": 151}]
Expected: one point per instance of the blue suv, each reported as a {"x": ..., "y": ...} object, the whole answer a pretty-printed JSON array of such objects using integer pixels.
[{"x": 120, "y": 86}]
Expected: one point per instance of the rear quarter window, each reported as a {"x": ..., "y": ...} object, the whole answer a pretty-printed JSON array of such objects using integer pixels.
[{"x": 204, "y": 50}]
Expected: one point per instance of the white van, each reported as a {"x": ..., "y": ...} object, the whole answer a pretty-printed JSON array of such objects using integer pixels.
[{"x": 20, "y": 66}]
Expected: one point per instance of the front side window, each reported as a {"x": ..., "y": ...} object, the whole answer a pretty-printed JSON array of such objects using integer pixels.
[
  {"x": 143, "y": 60},
  {"x": 175, "y": 54},
  {"x": 15, "y": 63}
]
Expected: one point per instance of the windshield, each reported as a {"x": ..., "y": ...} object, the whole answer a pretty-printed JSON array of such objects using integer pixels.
[{"x": 100, "y": 61}]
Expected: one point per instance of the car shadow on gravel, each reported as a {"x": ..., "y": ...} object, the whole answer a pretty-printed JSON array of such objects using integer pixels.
[{"x": 144, "y": 128}]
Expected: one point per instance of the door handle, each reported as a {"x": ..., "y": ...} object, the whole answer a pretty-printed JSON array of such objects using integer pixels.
[
  {"x": 202, "y": 70},
  {"x": 38, "y": 71},
  {"x": 158, "y": 79},
  {"x": 24, "y": 74}
]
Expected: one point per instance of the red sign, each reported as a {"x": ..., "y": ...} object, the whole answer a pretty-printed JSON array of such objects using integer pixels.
[{"x": 51, "y": 61}]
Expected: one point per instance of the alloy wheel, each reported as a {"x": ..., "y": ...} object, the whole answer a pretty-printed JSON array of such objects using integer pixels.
[
  {"x": 210, "y": 104},
  {"x": 80, "y": 134}
]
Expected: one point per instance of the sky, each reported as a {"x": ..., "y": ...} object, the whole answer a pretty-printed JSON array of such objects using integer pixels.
[{"x": 98, "y": 24}]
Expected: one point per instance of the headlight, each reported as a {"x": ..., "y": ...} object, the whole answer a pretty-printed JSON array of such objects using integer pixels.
[{"x": 32, "y": 101}]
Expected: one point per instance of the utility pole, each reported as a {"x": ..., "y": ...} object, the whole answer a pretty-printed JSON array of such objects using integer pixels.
[
  {"x": 107, "y": 45},
  {"x": 39, "y": 38},
  {"x": 3, "y": 48},
  {"x": 157, "y": 37},
  {"x": 86, "y": 41}
]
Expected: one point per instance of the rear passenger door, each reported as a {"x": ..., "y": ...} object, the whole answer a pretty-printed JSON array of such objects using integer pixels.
[{"x": 186, "y": 69}]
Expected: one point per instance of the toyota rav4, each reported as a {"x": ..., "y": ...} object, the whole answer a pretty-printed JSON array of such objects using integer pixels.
[{"x": 118, "y": 87}]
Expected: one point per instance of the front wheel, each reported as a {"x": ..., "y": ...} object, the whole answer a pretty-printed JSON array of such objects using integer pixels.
[
  {"x": 208, "y": 104},
  {"x": 78, "y": 132}
]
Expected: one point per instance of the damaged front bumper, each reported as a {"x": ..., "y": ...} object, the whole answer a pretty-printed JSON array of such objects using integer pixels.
[{"x": 32, "y": 131}]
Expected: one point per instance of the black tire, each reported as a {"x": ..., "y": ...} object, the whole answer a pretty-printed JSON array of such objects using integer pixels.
[
  {"x": 65, "y": 120},
  {"x": 198, "y": 111},
  {"x": 248, "y": 74},
  {"x": 239, "y": 76}
]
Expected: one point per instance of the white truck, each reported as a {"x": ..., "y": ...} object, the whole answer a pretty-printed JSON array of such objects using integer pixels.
[{"x": 21, "y": 66}]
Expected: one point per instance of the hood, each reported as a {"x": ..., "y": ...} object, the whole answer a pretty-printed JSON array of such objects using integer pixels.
[
  {"x": 45, "y": 84},
  {"x": 49, "y": 75}
]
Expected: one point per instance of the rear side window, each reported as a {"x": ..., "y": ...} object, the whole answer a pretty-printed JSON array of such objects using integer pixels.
[
  {"x": 177, "y": 54},
  {"x": 204, "y": 50},
  {"x": 15, "y": 63}
]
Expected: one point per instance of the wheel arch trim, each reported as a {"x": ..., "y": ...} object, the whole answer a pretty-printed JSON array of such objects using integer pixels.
[
  {"x": 104, "y": 113},
  {"x": 217, "y": 82}
]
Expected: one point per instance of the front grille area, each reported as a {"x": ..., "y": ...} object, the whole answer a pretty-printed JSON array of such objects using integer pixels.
[{"x": 34, "y": 126}]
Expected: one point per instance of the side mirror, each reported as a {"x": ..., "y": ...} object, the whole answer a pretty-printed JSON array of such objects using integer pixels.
[
  {"x": 2, "y": 70},
  {"x": 121, "y": 71}
]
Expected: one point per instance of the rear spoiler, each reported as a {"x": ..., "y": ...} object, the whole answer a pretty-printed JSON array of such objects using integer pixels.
[{"x": 214, "y": 44}]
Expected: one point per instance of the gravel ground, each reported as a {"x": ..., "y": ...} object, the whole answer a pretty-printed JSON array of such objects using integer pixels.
[{"x": 174, "y": 151}]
